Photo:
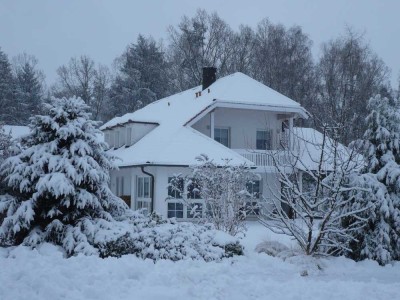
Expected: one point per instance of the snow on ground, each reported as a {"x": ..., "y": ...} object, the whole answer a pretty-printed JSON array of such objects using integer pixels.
[{"x": 45, "y": 274}]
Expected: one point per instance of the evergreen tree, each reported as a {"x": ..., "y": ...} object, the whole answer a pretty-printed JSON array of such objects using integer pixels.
[
  {"x": 142, "y": 77},
  {"x": 380, "y": 239},
  {"x": 5, "y": 152},
  {"x": 58, "y": 182},
  {"x": 7, "y": 92},
  {"x": 29, "y": 87}
]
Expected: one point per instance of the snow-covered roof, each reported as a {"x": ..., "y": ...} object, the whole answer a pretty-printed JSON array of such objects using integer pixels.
[
  {"x": 235, "y": 89},
  {"x": 174, "y": 142},
  {"x": 309, "y": 141},
  {"x": 16, "y": 131}
]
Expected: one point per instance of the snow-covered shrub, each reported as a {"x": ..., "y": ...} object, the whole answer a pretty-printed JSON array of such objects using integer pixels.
[
  {"x": 58, "y": 183},
  {"x": 380, "y": 238},
  {"x": 272, "y": 248},
  {"x": 223, "y": 188},
  {"x": 154, "y": 238}
]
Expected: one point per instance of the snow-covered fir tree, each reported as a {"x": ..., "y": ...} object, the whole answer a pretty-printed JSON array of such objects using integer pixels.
[
  {"x": 380, "y": 239},
  {"x": 29, "y": 87},
  {"x": 58, "y": 183},
  {"x": 5, "y": 151},
  {"x": 7, "y": 92}
]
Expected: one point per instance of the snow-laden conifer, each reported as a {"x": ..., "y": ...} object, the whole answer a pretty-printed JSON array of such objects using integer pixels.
[
  {"x": 58, "y": 183},
  {"x": 380, "y": 240}
]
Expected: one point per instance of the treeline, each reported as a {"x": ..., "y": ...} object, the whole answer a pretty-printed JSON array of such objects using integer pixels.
[{"x": 334, "y": 88}]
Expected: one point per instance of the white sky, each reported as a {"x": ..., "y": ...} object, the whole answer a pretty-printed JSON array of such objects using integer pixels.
[{"x": 56, "y": 30}]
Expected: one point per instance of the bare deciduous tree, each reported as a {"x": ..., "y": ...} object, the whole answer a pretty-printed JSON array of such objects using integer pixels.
[
  {"x": 315, "y": 188},
  {"x": 349, "y": 74},
  {"x": 201, "y": 41}
]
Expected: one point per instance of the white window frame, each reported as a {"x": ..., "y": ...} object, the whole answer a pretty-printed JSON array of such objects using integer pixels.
[{"x": 143, "y": 199}]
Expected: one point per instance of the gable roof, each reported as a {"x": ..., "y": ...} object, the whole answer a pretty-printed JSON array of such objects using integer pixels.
[
  {"x": 173, "y": 142},
  {"x": 237, "y": 88}
]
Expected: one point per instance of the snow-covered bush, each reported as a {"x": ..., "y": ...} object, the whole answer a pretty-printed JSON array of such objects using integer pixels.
[
  {"x": 272, "y": 248},
  {"x": 223, "y": 188},
  {"x": 380, "y": 239},
  {"x": 58, "y": 183},
  {"x": 154, "y": 238}
]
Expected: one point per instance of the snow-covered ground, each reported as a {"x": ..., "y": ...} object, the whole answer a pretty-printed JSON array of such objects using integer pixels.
[{"x": 45, "y": 274}]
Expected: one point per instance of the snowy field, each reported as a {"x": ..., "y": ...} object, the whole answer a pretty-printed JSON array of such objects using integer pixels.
[{"x": 44, "y": 274}]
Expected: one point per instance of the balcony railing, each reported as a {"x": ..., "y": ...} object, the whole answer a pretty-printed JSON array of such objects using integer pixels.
[{"x": 266, "y": 157}]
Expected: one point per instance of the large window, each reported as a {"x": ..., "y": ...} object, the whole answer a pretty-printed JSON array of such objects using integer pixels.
[
  {"x": 222, "y": 135},
  {"x": 263, "y": 140},
  {"x": 178, "y": 209},
  {"x": 252, "y": 206},
  {"x": 119, "y": 186},
  {"x": 143, "y": 187},
  {"x": 143, "y": 193}
]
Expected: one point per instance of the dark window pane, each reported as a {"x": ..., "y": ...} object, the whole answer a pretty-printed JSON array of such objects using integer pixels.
[
  {"x": 221, "y": 135},
  {"x": 263, "y": 140}
]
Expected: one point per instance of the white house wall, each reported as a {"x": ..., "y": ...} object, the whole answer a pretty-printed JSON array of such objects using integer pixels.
[
  {"x": 270, "y": 184},
  {"x": 243, "y": 125}
]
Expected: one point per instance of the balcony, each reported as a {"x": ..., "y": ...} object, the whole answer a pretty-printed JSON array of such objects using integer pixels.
[{"x": 265, "y": 158}]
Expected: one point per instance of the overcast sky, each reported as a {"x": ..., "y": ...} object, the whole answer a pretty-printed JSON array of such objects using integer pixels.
[{"x": 56, "y": 30}]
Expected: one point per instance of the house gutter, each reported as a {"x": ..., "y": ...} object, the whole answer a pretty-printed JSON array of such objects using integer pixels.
[{"x": 152, "y": 186}]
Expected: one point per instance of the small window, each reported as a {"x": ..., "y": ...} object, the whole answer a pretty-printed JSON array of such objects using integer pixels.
[
  {"x": 116, "y": 142},
  {"x": 143, "y": 187},
  {"x": 175, "y": 210},
  {"x": 222, "y": 135},
  {"x": 129, "y": 136},
  {"x": 263, "y": 140}
]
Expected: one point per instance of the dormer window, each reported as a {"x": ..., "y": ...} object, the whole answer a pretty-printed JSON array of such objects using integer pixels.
[
  {"x": 116, "y": 141},
  {"x": 129, "y": 136}
]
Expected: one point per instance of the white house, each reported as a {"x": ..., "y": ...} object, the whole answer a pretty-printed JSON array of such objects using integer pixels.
[{"x": 234, "y": 117}]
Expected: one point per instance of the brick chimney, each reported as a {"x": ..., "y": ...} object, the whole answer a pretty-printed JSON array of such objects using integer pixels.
[{"x": 209, "y": 76}]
